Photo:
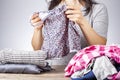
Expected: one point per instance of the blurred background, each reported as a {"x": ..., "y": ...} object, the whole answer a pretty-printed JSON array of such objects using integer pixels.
[{"x": 16, "y": 31}]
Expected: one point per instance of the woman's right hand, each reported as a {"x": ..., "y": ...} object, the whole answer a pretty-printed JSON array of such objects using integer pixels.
[{"x": 36, "y": 21}]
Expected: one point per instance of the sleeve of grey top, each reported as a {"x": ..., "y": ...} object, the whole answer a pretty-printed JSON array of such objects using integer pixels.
[{"x": 100, "y": 19}]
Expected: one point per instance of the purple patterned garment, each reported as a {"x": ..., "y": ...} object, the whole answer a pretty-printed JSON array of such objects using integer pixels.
[{"x": 60, "y": 34}]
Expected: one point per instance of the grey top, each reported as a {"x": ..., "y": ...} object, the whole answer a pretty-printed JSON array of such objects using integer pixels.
[{"x": 98, "y": 20}]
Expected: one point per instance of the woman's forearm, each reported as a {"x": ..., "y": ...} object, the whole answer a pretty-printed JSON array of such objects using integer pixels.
[
  {"x": 91, "y": 36},
  {"x": 37, "y": 39}
]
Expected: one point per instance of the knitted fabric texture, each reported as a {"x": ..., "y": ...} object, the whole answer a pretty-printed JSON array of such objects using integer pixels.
[
  {"x": 22, "y": 57},
  {"x": 61, "y": 35}
]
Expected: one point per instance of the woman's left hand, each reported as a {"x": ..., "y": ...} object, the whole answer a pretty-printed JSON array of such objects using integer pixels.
[{"x": 74, "y": 13}]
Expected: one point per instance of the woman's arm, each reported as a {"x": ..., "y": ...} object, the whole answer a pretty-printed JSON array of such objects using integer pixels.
[
  {"x": 93, "y": 34},
  {"x": 92, "y": 37},
  {"x": 37, "y": 39}
]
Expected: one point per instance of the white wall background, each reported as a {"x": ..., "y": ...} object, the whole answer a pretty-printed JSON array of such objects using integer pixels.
[
  {"x": 16, "y": 31},
  {"x": 114, "y": 21}
]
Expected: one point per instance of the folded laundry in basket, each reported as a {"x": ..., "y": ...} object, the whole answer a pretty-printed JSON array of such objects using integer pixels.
[{"x": 21, "y": 56}]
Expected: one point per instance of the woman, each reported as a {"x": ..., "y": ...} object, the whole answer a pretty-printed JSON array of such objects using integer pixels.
[{"x": 91, "y": 17}]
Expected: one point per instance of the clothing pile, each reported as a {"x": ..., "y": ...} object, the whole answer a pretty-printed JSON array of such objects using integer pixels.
[
  {"x": 96, "y": 62},
  {"x": 19, "y": 61}
]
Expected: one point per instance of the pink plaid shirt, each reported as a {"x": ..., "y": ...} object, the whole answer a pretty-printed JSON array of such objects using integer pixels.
[{"x": 81, "y": 60}]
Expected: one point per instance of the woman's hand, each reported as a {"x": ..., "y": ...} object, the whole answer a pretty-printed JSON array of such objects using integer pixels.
[
  {"x": 36, "y": 21},
  {"x": 74, "y": 13},
  {"x": 37, "y": 39}
]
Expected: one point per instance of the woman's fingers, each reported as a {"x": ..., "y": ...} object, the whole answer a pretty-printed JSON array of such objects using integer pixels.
[
  {"x": 35, "y": 15},
  {"x": 72, "y": 10},
  {"x": 38, "y": 24},
  {"x": 37, "y": 19},
  {"x": 67, "y": 12},
  {"x": 73, "y": 16}
]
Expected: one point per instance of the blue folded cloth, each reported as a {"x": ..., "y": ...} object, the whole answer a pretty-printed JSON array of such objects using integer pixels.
[
  {"x": 88, "y": 76},
  {"x": 19, "y": 68},
  {"x": 23, "y": 68}
]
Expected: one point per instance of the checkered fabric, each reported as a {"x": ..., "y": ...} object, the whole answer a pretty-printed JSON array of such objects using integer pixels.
[{"x": 81, "y": 60}]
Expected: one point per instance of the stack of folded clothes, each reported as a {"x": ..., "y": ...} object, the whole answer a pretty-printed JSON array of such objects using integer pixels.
[{"x": 19, "y": 61}]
